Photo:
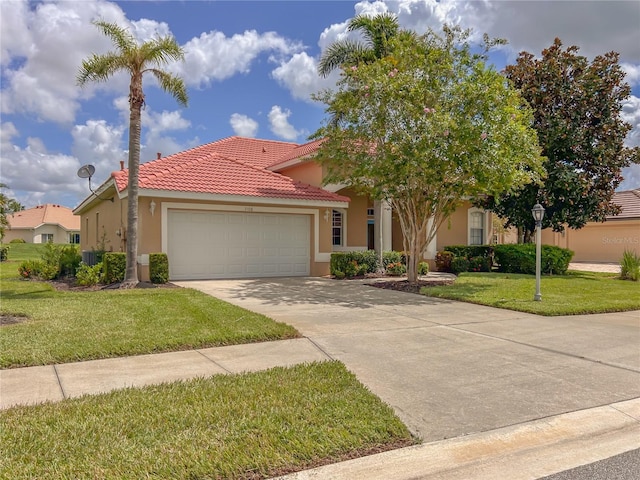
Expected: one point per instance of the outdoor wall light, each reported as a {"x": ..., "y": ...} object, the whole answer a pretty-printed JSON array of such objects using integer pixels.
[
  {"x": 152, "y": 207},
  {"x": 327, "y": 213},
  {"x": 538, "y": 214}
]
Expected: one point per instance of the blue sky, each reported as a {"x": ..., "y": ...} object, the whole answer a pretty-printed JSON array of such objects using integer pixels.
[{"x": 249, "y": 69}]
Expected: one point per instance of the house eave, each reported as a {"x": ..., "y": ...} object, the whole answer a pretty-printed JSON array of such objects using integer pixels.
[{"x": 225, "y": 198}]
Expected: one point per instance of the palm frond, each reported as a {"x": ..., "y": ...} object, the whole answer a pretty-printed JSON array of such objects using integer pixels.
[
  {"x": 121, "y": 37},
  {"x": 340, "y": 53},
  {"x": 171, "y": 84},
  {"x": 99, "y": 68},
  {"x": 160, "y": 51}
]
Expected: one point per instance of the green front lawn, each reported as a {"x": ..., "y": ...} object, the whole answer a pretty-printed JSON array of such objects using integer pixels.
[
  {"x": 68, "y": 326},
  {"x": 570, "y": 294},
  {"x": 230, "y": 426}
]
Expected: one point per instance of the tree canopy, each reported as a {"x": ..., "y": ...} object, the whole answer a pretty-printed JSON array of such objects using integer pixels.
[
  {"x": 425, "y": 127},
  {"x": 136, "y": 59},
  {"x": 576, "y": 106}
]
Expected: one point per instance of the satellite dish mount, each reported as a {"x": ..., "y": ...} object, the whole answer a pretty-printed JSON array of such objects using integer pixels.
[{"x": 87, "y": 171}]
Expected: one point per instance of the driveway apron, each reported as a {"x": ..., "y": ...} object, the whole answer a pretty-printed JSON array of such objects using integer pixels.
[{"x": 450, "y": 368}]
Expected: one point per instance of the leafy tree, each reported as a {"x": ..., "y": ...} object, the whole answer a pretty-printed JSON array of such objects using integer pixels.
[
  {"x": 135, "y": 59},
  {"x": 7, "y": 207},
  {"x": 576, "y": 107},
  {"x": 424, "y": 127},
  {"x": 377, "y": 31}
]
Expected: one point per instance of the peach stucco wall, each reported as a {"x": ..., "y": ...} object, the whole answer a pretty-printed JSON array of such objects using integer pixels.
[
  {"x": 598, "y": 242},
  {"x": 306, "y": 172},
  {"x": 109, "y": 218}
]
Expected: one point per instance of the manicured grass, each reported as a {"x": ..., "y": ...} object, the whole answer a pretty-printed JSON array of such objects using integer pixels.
[
  {"x": 67, "y": 326},
  {"x": 19, "y": 252},
  {"x": 570, "y": 294},
  {"x": 236, "y": 426}
]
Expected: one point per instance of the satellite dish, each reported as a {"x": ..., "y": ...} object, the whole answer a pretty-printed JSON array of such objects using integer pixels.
[{"x": 86, "y": 171}]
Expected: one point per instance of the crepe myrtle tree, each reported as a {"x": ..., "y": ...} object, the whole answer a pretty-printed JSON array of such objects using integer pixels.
[
  {"x": 576, "y": 105},
  {"x": 136, "y": 59},
  {"x": 424, "y": 128}
]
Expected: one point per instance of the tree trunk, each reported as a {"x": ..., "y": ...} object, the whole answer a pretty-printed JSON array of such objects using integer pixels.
[{"x": 131, "y": 275}]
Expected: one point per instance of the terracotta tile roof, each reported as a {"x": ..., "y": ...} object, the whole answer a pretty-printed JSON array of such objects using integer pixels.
[
  {"x": 298, "y": 152},
  {"x": 44, "y": 214},
  {"x": 206, "y": 170},
  {"x": 629, "y": 200}
]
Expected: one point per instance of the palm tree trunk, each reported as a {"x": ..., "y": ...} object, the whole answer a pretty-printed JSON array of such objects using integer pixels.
[{"x": 131, "y": 274}]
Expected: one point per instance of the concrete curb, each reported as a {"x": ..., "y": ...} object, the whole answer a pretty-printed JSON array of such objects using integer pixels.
[{"x": 527, "y": 451}]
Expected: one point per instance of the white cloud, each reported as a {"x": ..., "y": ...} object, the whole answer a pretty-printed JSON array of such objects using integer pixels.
[
  {"x": 243, "y": 125},
  {"x": 300, "y": 76},
  {"x": 42, "y": 49},
  {"x": 631, "y": 114},
  {"x": 279, "y": 122},
  {"x": 214, "y": 56},
  {"x": 632, "y": 73}
]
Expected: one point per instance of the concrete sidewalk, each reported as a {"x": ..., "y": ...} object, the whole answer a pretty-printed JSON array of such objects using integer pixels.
[
  {"x": 52, "y": 383},
  {"x": 487, "y": 390}
]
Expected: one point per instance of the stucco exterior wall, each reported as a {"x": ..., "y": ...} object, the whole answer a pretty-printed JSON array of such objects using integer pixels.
[
  {"x": 598, "y": 242},
  {"x": 356, "y": 220},
  {"x": 106, "y": 218},
  {"x": 306, "y": 172}
]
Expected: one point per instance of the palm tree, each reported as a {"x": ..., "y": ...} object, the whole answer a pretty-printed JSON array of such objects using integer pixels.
[
  {"x": 377, "y": 31},
  {"x": 135, "y": 59}
]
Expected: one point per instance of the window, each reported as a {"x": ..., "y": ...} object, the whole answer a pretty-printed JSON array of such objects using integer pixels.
[
  {"x": 74, "y": 238},
  {"x": 337, "y": 228},
  {"x": 476, "y": 228},
  {"x": 47, "y": 238}
]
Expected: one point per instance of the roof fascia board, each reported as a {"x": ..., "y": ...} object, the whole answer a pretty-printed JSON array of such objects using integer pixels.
[
  {"x": 289, "y": 163},
  {"x": 240, "y": 199},
  {"x": 93, "y": 198}
]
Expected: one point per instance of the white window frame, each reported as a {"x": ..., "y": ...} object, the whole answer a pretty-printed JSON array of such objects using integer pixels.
[
  {"x": 471, "y": 213},
  {"x": 342, "y": 227}
]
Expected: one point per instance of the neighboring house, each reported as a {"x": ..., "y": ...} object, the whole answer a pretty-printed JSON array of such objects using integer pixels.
[
  {"x": 243, "y": 207},
  {"x": 604, "y": 241},
  {"x": 42, "y": 224}
]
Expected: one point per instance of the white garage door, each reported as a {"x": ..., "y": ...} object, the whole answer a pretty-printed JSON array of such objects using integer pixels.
[{"x": 237, "y": 245}]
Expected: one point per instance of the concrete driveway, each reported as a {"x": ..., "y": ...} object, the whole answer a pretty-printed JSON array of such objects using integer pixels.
[{"x": 449, "y": 368}]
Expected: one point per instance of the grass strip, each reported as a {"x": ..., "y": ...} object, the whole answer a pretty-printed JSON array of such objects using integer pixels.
[
  {"x": 68, "y": 326},
  {"x": 571, "y": 294},
  {"x": 245, "y": 426}
]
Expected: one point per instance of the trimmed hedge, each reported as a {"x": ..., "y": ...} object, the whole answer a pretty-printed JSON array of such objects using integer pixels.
[
  {"x": 4, "y": 253},
  {"x": 470, "y": 251},
  {"x": 158, "y": 267},
  {"x": 443, "y": 261},
  {"x": 351, "y": 264},
  {"x": 521, "y": 258},
  {"x": 115, "y": 266}
]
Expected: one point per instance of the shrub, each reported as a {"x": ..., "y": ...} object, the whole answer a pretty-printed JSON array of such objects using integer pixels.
[
  {"x": 470, "y": 251},
  {"x": 158, "y": 267},
  {"x": 18, "y": 240},
  {"x": 443, "y": 261},
  {"x": 459, "y": 265},
  {"x": 30, "y": 268},
  {"x": 393, "y": 257},
  {"x": 479, "y": 264},
  {"x": 521, "y": 258},
  {"x": 4, "y": 253},
  {"x": 70, "y": 259},
  {"x": 630, "y": 266},
  {"x": 396, "y": 269},
  {"x": 115, "y": 266},
  {"x": 89, "y": 275},
  {"x": 342, "y": 263},
  {"x": 423, "y": 268}
]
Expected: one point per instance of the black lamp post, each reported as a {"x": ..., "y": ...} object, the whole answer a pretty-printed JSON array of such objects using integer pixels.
[{"x": 538, "y": 215}]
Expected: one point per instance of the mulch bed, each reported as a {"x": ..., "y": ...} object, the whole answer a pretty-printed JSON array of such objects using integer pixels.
[
  {"x": 409, "y": 287},
  {"x": 11, "y": 319}
]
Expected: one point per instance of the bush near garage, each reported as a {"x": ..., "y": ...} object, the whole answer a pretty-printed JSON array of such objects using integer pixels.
[
  {"x": 158, "y": 267},
  {"x": 115, "y": 266}
]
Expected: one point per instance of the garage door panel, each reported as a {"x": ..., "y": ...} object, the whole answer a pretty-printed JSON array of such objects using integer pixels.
[{"x": 237, "y": 244}]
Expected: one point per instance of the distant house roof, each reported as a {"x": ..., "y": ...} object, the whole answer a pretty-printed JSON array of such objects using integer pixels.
[
  {"x": 48, "y": 214},
  {"x": 629, "y": 201},
  {"x": 232, "y": 166}
]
